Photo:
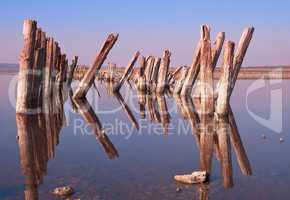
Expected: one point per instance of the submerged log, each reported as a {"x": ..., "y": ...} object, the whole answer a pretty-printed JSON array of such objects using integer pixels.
[
  {"x": 127, "y": 72},
  {"x": 89, "y": 77},
  {"x": 194, "y": 178},
  {"x": 163, "y": 71},
  {"x": 223, "y": 92}
]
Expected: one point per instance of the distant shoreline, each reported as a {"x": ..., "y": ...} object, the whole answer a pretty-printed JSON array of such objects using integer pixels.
[{"x": 251, "y": 72}]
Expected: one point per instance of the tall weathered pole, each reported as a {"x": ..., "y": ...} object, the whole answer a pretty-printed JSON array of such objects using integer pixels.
[{"x": 89, "y": 77}]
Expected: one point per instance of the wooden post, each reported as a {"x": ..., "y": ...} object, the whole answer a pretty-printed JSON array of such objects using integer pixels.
[
  {"x": 26, "y": 60},
  {"x": 240, "y": 54},
  {"x": 173, "y": 75},
  {"x": 155, "y": 71},
  {"x": 71, "y": 70},
  {"x": 127, "y": 72},
  {"x": 141, "y": 81},
  {"x": 111, "y": 71},
  {"x": 192, "y": 73},
  {"x": 222, "y": 102},
  {"x": 163, "y": 71},
  {"x": 179, "y": 83},
  {"x": 89, "y": 77},
  {"x": 149, "y": 69},
  {"x": 217, "y": 48},
  {"x": 206, "y": 73},
  {"x": 47, "y": 75}
]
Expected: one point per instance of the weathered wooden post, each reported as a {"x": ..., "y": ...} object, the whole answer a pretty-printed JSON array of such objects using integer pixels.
[
  {"x": 149, "y": 69},
  {"x": 206, "y": 73},
  {"x": 163, "y": 71},
  {"x": 155, "y": 71},
  {"x": 172, "y": 76},
  {"x": 47, "y": 73},
  {"x": 26, "y": 60},
  {"x": 111, "y": 71},
  {"x": 71, "y": 70},
  {"x": 216, "y": 50},
  {"x": 179, "y": 83},
  {"x": 192, "y": 73},
  {"x": 89, "y": 77},
  {"x": 222, "y": 102},
  {"x": 127, "y": 72},
  {"x": 240, "y": 54},
  {"x": 141, "y": 81}
]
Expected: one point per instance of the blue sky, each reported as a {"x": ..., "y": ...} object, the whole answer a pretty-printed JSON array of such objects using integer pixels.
[{"x": 149, "y": 26}]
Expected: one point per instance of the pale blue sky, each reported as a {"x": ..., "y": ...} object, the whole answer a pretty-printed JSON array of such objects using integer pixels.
[{"x": 149, "y": 26}]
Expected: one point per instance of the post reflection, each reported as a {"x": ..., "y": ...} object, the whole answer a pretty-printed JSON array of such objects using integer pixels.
[{"x": 214, "y": 134}]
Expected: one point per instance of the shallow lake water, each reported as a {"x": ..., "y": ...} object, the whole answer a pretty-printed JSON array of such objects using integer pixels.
[{"x": 133, "y": 163}]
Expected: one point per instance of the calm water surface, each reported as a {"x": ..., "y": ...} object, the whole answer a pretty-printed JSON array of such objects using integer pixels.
[{"x": 140, "y": 164}]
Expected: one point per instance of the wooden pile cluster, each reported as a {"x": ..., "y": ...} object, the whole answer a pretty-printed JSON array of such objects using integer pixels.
[{"x": 43, "y": 71}]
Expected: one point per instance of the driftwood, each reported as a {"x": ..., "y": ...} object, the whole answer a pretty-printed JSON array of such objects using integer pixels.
[
  {"x": 89, "y": 77},
  {"x": 127, "y": 72},
  {"x": 163, "y": 71},
  {"x": 195, "y": 177}
]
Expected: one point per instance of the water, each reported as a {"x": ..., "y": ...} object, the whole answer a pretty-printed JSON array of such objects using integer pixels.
[{"x": 140, "y": 164}]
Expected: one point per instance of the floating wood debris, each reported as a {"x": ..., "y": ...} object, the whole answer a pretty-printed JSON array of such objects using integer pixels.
[{"x": 194, "y": 178}]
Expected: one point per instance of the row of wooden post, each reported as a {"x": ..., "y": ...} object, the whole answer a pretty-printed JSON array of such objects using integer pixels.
[{"x": 43, "y": 71}]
